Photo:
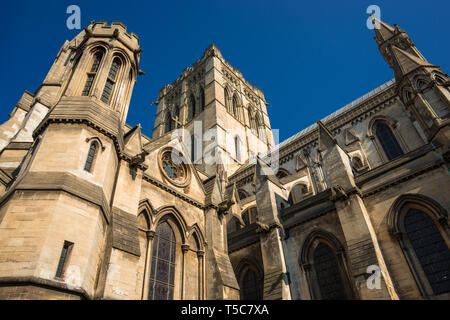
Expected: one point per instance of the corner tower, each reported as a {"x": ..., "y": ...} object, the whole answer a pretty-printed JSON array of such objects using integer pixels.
[
  {"x": 422, "y": 87},
  {"x": 223, "y": 115},
  {"x": 69, "y": 168}
]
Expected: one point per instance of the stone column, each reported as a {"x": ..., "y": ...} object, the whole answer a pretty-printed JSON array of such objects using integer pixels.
[
  {"x": 201, "y": 283},
  {"x": 148, "y": 260},
  {"x": 184, "y": 249}
]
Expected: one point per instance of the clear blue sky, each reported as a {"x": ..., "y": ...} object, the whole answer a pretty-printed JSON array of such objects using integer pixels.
[{"x": 308, "y": 57}]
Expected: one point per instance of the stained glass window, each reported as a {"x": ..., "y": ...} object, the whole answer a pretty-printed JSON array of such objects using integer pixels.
[
  {"x": 430, "y": 249},
  {"x": 328, "y": 274},
  {"x": 250, "y": 286},
  {"x": 110, "y": 82},
  {"x": 388, "y": 141},
  {"x": 173, "y": 166},
  {"x": 90, "y": 157},
  {"x": 162, "y": 272},
  {"x": 91, "y": 74}
]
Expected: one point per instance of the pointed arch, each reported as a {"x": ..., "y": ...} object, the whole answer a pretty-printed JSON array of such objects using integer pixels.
[
  {"x": 164, "y": 262},
  {"x": 96, "y": 58},
  {"x": 91, "y": 156},
  {"x": 250, "y": 278},
  {"x": 112, "y": 80},
  {"x": 388, "y": 142},
  {"x": 420, "y": 225},
  {"x": 235, "y": 106},
  {"x": 167, "y": 121},
  {"x": 260, "y": 126},
  {"x": 226, "y": 97},
  {"x": 252, "y": 121},
  {"x": 322, "y": 258},
  {"x": 146, "y": 214},
  {"x": 298, "y": 192},
  {"x": 166, "y": 212},
  {"x": 191, "y": 106},
  {"x": 195, "y": 231}
]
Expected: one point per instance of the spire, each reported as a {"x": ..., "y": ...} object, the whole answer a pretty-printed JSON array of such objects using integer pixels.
[
  {"x": 397, "y": 48},
  {"x": 383, "y": 31}
]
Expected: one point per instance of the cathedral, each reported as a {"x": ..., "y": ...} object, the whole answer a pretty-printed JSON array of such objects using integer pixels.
[{"x": 212, "y": 207}]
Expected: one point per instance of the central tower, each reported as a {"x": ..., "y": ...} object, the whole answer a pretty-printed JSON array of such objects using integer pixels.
[{"x": 224, "y": 117}]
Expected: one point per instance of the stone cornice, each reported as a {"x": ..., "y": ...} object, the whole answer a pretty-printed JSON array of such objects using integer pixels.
[
  {"x": 46, "y": 283},
  {"x": 85, "y": 110},
  {"x": 174, "y": 192},
  {"x": 69, "y": 183}
]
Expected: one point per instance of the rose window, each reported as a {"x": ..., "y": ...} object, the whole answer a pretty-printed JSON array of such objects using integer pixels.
[{"x": 173, "y": 166}]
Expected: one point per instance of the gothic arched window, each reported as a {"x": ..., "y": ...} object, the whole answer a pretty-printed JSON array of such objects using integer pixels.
[
  {"x": 162, "y": 272},
  {"x": 167, "y": 122},
  {"x": 252, "y": 123},
  {"x": 328, "y": 275},
  {"x": 323, "y": 261},
  {"x": 202, "y": 99},
  {"x": 250, "y": 285},
  {"x": 430, "y": 249},
  {"x": 387, "y": 140},
  {"x": 235, "y": 107},
  {"x": 92, "y": 73},
  {"x": 237, "y": 148},
  {"x": 91, "y": 156},
  {"x": 298, "y": 193},
  {"x": 111, "y": 80},
  {"x": 226, "y": 97},
  {"x": 261, "y": 132},
  {"x": 191, "y": 106}
]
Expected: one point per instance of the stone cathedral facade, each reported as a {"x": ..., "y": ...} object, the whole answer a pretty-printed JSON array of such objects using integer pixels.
[{"x": 353, "y": 207}]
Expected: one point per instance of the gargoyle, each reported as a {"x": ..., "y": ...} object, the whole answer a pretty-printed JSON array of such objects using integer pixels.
[
  {"x": 337, "y": 192},
  {"x": 225, "y": 206}
]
